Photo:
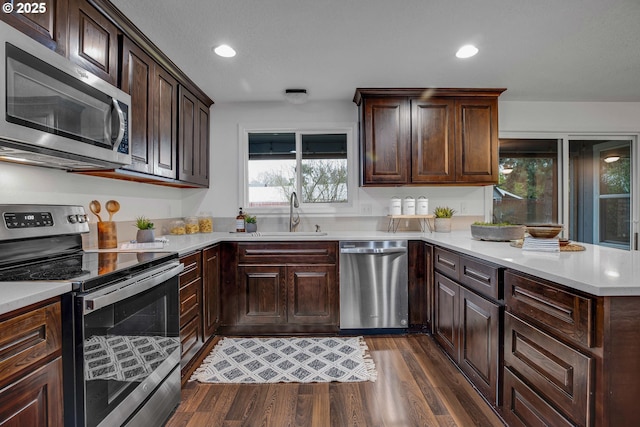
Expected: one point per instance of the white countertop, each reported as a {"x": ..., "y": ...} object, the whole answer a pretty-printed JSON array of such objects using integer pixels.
[{"x": 598, "y": 270}]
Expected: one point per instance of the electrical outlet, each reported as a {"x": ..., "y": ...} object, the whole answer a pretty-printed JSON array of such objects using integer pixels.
[
  {"x": 463, "y": 208},
  {"x": 366, "y": 209}
]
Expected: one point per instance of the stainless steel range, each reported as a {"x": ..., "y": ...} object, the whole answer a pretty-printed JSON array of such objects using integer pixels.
[{"x": 121, "y": 351}]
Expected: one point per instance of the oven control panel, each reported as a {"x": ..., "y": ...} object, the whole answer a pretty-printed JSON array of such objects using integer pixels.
[
  {"x": 33, "y": 221},
  {"x": 28, "y": 219}
]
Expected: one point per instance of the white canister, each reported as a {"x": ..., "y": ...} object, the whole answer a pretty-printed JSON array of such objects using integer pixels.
[
  {"x": 422, "y": 206},
  {"x": 395, "y": 206},
  {"x": 409, "y": 206}
]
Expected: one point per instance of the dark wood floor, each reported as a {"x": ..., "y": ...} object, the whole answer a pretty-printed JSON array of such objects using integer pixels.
[{"x": 417, "y": 386}]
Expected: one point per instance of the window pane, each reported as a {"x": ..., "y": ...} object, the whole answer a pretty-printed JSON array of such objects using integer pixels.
[
  {"x": 615, "y": 220},
  {"x": 324, "y": 168},
  {"x": 527, "y": 188},
  {"x": 271, "y": 168}
]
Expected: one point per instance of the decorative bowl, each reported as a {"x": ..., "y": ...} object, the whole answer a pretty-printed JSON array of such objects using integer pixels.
[
  {"x": 544, "y": 231},
  {"x": 496, "y": 232}
]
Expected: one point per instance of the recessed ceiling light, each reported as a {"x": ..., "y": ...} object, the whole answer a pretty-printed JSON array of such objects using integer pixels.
[
  {"x": 225, "y": 51},
  {"x": 467, "y": 51}
]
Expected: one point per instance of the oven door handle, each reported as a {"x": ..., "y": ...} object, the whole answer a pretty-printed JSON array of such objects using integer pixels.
[{"x": 130, "y": 287}]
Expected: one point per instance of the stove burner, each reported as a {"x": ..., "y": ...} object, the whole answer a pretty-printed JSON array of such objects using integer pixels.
[{"x": 56, "y": 269}]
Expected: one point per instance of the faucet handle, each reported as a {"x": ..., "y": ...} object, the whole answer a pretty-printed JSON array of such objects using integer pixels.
[{"x": 317, "y": 228}]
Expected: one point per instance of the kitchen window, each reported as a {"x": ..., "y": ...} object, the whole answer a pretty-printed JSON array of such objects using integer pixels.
[{"x": 315, "y": 163}]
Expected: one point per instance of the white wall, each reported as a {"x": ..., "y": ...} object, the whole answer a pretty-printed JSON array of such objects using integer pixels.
[{"x": 28, "y": 184}]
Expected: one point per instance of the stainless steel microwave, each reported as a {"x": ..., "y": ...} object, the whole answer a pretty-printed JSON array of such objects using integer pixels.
[{"x": 55, "y": 113}]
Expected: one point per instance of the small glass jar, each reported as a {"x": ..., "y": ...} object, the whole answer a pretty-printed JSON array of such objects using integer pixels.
[
  {"x": 205, "y": 222},
  {"x": 177, "y": 226},
  {"x": 191, "y": 224}
]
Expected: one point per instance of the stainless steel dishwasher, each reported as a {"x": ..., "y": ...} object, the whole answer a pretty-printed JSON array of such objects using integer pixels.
[{"x": 373, "y": 284}]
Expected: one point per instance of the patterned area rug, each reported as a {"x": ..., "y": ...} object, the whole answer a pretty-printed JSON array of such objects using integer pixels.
[
  {"x": 273, "y": 360},
  {"x": 125, "y": 358}
]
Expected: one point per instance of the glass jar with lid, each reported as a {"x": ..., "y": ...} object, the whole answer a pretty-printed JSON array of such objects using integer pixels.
[
  {"x": 191, "y": 224},
  {"x": 177, "y": 226},
  {"x": 205, "y": 222}
]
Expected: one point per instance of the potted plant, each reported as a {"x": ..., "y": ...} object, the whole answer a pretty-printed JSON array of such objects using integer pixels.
[
  {"x": 145, "y": 232},
  {"x": 250, "y": 223},
  {"x": 496, "y": 232},
  {"x": 442, "y": 221}
]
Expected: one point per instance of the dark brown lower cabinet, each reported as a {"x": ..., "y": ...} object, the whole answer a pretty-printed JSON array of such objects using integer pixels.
[
  {"x": 211, "y": 276},
  {"x": 468, "y": 327},
  {"x": 31, "y": 366},
  {"x": 262, "y": 294}
]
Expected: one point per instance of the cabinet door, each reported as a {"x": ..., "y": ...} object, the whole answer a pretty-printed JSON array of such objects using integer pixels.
[
  {"x": 210, "y": 290},
  {"x": 418, "y": 286},
  {"x": 433, "y": 157},
  {"x": 479, "y": 343},
  {"x": 48, "y": 26},
  {"x": 477, "y": 140},
  {"x": 446, "y": 316},
  {"x": 312, "y": 296},
  {"x": 34, "y": 400},
  {"x": 385, "y": 154},
  {"x": 194, "y": 139},
  {"x": 137, "y": 81},
  {"x": 262, "y": 294},
  {"x": 93, "y": 41},
  {"x": 165, "y": 119}
]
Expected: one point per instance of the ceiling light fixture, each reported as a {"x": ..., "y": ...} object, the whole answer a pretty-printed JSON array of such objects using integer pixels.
[
  {"x": 296, "y": 96},
  {"x": 506, "y": 169},
  {"x": 611, "y": 159},
  {"x": 225, "y": 51},
  {"x": 466, "y": 51}
]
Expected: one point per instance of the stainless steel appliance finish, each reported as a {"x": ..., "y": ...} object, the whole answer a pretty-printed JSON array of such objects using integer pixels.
[
  {"x": 121, "y": 343},
  {"x": 55, "y": 114},
  {"x": 373, "y": 284}
]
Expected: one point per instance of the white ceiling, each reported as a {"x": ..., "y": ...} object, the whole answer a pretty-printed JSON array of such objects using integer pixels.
[{"x": 540, "y": 50}]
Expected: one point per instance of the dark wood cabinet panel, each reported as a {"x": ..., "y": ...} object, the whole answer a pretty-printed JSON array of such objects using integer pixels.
[
  {"x": 480, "y": 350},
  {"x": 190, "y": 301},
  {"x": 311, "y": 294},
  {"x": 412, "y": 136},
  {"x": 31, "y": 366},
  {"x": 288, "y": 252},
  {"x": 482, "y": 277},
  {"x": 568, "y": 313},
  {"x": 210, "y": 290},
  {"x": 193, "y": 139},
  {"x": 93, "y": 41},
  {"x": 191, "y": 342},
  {"x": 34, "y": 400},
  {"x": 137, "y": 80},
  {"x": 476, "y": 140},
  {"x": 419, "y": 306},
  {"x": 433, "y": 156},
  {"x": 165, "y": 122},
  {"x": 386, "y": 141},
  {"x": 523, "y": 407},
  {"x": 446, "y": 318},
  {"x": 446, "y": 262},
  {"x": 191, "y": 333},
  {"x": 262, "y": 294},
  {"x": 48, "y": 26},
  {"x": 559, "y": 373}
]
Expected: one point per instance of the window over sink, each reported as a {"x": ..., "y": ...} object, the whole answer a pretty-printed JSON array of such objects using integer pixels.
[{"x": 315, "y": 162}]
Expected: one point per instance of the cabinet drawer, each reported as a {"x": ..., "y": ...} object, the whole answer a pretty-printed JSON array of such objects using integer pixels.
[
  {"x": 447, "y": 263},
  {"x": 29, "y": 338},
  {"x": 189, "y": 301},
  {"x": 285, "y": 253},
  {"x": 483, "y": 278},
  {"x": 190, "y": 338},
  {"x": 524, "y": 407},
  {"x": 560, "y": 311},
  {"x": 559, "y": 373},
  {"x": 192, "y": 268}
]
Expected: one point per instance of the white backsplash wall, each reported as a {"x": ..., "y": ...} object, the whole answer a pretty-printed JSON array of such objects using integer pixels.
[{"x": 35, "y": 185}]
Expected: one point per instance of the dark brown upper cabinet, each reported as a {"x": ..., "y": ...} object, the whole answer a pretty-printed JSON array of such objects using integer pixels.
[
  {"x": 193, "y": 141},
  {"x": 48, "y": 26},
  {"x": 93, "y": 41},
  {"x": 449, "y": 136}
]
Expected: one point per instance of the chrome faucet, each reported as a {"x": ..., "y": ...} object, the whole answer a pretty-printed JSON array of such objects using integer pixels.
[{"x": 293, "y": 221}]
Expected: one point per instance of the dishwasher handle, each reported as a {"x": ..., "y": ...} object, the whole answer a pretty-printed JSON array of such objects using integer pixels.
[{"x": 365, "y": 251}]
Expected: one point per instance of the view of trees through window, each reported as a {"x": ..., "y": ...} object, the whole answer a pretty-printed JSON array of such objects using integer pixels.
[
  {"x": 527, "y": 188},
  {"x": 314, "y": 165}
]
